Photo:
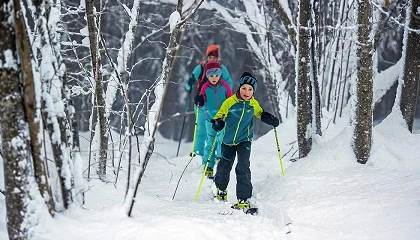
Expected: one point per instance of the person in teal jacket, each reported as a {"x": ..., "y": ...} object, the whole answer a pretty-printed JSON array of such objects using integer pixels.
[
  {"x": 198, "y": 78},
  {"x": 235, "y": 116},
  {"x": 211, "y": 96}
]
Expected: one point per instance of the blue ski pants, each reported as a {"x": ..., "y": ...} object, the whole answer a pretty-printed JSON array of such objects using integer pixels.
[
  {"x": 212, "y": 136},
  {"x": 200, "y": 131}
]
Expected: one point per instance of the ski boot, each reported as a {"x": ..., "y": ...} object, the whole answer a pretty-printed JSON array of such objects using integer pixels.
[
  {"x": 245, "y": 206},
  {"x": 242, "y": 204},
  {"x": 221, "y": 195},
  {"x": 209, "y": 173}
]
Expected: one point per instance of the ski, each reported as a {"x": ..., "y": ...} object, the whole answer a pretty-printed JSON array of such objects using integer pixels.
[
  {"x": 253, "y": 211},
  {"x": 288, "y": 228}
]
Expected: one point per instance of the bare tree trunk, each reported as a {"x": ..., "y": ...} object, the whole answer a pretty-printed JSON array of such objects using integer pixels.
[
  {"x": 74, "y": 147},
  {"x": 32, "y": 112},
  {"x": 99, "y": 88},
  {"x": 334, "y": 59},
  {"x": 316, "y": 97},
  {"x": 345, "y": 80},
  {"x": 363, "y": 115},
  {"x": 92, "y": 128},
  {"x": 53, "y": 126},
  {"x": 322, "y": 46},
  {"x": 342, "y": 84},
  {"x": 411, "y": 66},
  {"x": 121, "y": 78},
  {"x": 303, "y": 82},
  {"x": 317, "y": 106},
  {"x": 16, "y": 157},
  {"x": 152, "y": 128},
  {"x": 15, "y": 132},
  {"x": 53, "y": 81}
]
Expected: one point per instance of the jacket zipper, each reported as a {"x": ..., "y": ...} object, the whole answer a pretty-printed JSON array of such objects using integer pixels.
[{"x": 239, "y": 122}]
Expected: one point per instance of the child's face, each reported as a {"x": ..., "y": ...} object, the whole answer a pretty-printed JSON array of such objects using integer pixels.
[
  {"x": 213, "y": 79},
  {"x": 211, "y": 58},
  {"x": 246, "y": 91}
]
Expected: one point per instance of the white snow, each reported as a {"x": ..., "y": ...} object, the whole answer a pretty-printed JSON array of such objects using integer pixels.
[
  {"x": 174, "y": 18},
  {"x": 327, "y": 195},
  {"x": 9, "y": 60}
]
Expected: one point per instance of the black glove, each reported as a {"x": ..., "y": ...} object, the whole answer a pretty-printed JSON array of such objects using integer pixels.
[
  {"x": 270, "y": 119},
  {"x": 217, "y": 124},
  {"x": 190, "y": 84},
  {"x": 199, "y": 100}
]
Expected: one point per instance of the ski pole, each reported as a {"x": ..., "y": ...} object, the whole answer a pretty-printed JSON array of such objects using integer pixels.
[
  {"x": 183, "y": 122},
  {"x": 205, "y": 168},
  {"x": 278, "y": 151},
  {"x": 192, "y": 153},
  {"x": 182, "y": 174}
]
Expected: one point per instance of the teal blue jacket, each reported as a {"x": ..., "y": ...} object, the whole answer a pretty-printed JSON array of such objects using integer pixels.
[
  {"x": 238, "y": 116},
  {"x": 214, "y": 96}
]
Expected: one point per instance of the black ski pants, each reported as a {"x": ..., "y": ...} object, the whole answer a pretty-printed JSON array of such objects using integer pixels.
[{"x": 242, "y": 170}]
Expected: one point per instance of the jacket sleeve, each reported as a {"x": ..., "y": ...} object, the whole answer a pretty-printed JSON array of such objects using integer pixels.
[
  {"x": 203, "y": 91},
  {"x": 227, "y": 87},
  {"x": 196, "y": 73},
  {"x": 257, "y": 108},
  {"x": 226, "y": 76},
  {"x": 224, "y": 109}
]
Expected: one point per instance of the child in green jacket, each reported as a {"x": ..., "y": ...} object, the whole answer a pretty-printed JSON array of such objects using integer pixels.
[{"x": 236, "y": 116}]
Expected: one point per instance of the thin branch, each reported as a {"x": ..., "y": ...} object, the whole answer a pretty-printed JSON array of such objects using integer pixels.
[{"x": 286, "y": 22}]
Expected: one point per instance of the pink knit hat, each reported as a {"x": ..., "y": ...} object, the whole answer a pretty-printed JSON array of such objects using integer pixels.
[{"x": 213, "y": 68}]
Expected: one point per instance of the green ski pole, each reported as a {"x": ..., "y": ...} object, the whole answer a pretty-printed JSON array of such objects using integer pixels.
[
  {"x": 205, "y": 168},
  {"x": 278, "y": 151}
]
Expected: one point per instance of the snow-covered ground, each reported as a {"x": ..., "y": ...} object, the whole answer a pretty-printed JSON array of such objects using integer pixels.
[{"x": 326, "y": 195}]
